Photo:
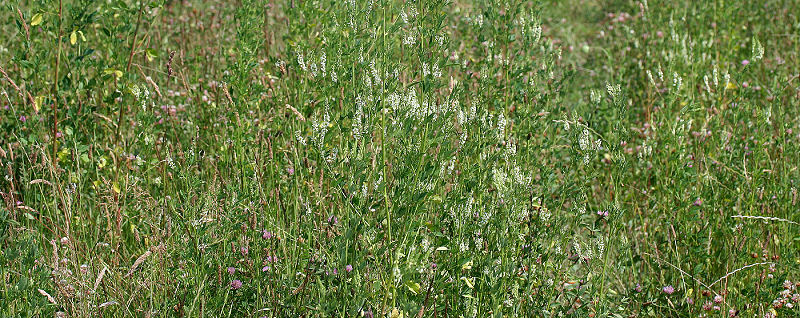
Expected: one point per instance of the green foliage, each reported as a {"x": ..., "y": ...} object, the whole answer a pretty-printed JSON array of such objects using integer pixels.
[{"x": 399, "y": 158}]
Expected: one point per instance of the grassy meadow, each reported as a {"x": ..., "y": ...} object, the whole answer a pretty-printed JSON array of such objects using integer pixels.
[{"x": 399, "y": 158}]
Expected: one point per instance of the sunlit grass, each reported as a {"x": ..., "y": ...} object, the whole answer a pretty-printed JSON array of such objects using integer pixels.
[{"x": 399, "y": 158}]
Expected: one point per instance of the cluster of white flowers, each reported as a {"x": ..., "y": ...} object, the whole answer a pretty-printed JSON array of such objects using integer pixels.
[
  {"x": 501, "y": 127},
  {"x": 520, "y": 177},
  {"x": 411, "y": 38},
  {"x": 410, "y": 15},
  {"x": 758, "y": 50},
  {"x": 677, "y": 81},
  {"x": 431, "y": 70},
  {"x": 316, "y": 66},
  {"x": 302, "y": 62},
  {"x": 320, "y": 128},
  {"x": 714, "y": 79},
  {"x": 299, "y": 137},
  {"x": 376, "y": 77},
  {"x": 529, "y": 26},
  {"x": 500, "y": 180},
  {"x": 586, "y": 145},
  {"x": 613, "y": 90},
  {"x": 646, "y": 151},
  {"x": 358, "y": 127},
  {"x": 594, "y": 97},
  {"x": 476, "y": 20},
  {"x": 142, "y": 95},
  {"x": 407, "y": 104}
]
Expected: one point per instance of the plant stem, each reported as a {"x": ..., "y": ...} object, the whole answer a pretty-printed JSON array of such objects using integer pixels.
[
  {"x": 135, "y": 34},
  {"x": 55, "y": 85}
]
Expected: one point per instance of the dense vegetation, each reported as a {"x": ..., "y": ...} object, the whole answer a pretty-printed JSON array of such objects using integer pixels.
[{"x": 388, "y": 158}]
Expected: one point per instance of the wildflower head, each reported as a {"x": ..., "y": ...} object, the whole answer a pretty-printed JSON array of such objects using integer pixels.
[
  {"x": 745, "y": 62},
  {"x": 668, "y": 289},
  {"x": 266, "y": 235},
  {"x": 333, "y": 220},
  {"x": 367, "y": 313},
  {"x": 231, "y": 270},
  {"x": 236, "y": 284},
  {"x": 348, "y": 268}
]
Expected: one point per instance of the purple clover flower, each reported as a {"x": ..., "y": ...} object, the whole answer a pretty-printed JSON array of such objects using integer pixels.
[{"x": 333, "y": 220}]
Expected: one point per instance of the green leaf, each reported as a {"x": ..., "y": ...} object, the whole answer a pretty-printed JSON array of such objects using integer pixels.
[
  {"x": 37, "y": 103},
  {"x": 414, "y": 287},
  {"x": 151, "y": 54},
  {"x": 468, "y": 282},
  {"x": 36, "y": 20}
]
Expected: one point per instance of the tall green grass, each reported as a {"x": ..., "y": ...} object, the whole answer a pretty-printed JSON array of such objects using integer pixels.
[{"x": 399, "y": 158}]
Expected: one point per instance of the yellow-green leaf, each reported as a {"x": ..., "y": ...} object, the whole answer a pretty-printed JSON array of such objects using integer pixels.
[
  {"x": 36, "y": 20},
  {"x": 396, "y": 313},
  {"x": 414, "y": 287},
  {"x": 150, "y": 54},
  {"x": 73, "y": 38},
  {"x": 469, "y": 283},
  {"x": 37, "y": 103},
  {"x": 110, "y": 71}
]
